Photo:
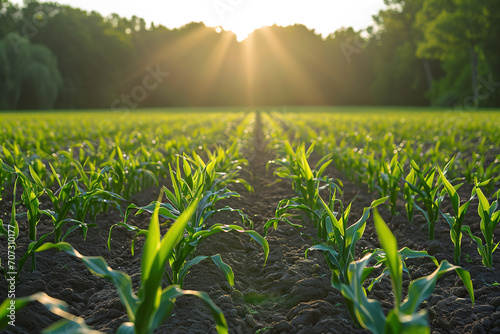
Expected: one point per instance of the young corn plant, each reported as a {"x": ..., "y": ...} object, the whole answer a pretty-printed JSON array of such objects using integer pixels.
[
  {"x": 186, "y": 189},
  {"x": 490, "y": 217},
  {"x": 455, "y": 221},
  {"x": 411, "y": 178},
  {"x": 405, "y": 316},
  {"x": 371, "y": 168},
  {"x": 476, "y": 170},
  {"x": 131, "y": 175},
  {"x": 63, "y": 202},
  {"x": 307, "y": 183},
  {"x": 31, "y": 193},
  {"x": 339, "y": 240},
  {"x": 152, "y": 305},
  {"x": 12, "y": 230},
  {"x": 228, "y": 163},
  {"x": 203, "y": 178},
  {"x": 388, "y": 181},
  {"x": 427, "y": 190},
  {"x": 70, "y": 206},
  {"x": 94, "y": 197},
  {"x": 288, "y": 208}
]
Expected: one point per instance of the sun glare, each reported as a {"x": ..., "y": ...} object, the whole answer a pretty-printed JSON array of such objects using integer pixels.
[{"x": 241, "y": 30}]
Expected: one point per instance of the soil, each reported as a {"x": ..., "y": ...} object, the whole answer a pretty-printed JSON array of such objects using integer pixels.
[{"x": 290, "y": 294}]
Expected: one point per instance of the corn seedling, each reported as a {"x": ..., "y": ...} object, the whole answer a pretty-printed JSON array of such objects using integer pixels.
[
  {"x": 405, "y": 316},
  {"x": 152, "y": 305},
  {"x": 455, "y": 221},
  {"x": 227, "y": 165},
  {"x": 202, "y": 179},
  {"x": 14, "y": 226},
  {"x": 411, "y": 178},
  {"x": 282, "y": 212},
  {"x": 31, "y": 193},
  {"x": 371, "y": 168},
  {"x": 130, "y": 174},
  {"x": 196, "y": 231},
  {"x": 305, "y": 181},
  {"x": 186, "y": 189},
  {"x": 490, "y": 217},
  {"x": 475, "y": 170},
  {"x": 93, "y": 198},
  {"x": 68, "y": 200},
  {"x": 427, "y": 189},
  {"x": 388, "y": 181},
  {"x": 340, "y": 240}
]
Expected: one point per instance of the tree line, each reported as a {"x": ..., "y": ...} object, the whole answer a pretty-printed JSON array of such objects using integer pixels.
[{"x": 417, "y": 53}]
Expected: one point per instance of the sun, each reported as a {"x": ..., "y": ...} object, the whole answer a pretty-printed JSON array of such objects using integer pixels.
[
  {"x": 241, "y": 30},
  {"x": 241, "y": 35}
]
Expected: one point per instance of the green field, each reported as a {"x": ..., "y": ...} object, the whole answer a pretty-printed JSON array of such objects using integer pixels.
[{"x": 73, "y": 178}]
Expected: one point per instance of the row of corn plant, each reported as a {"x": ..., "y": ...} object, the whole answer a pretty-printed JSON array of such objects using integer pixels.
[
  {"x": 359, "y": 142},
  {"x": 423, "y": 187},
  {"x": 71, "y": 206},
  {"x": 424, "y": 191},
  {"x": 138, "y": 150},
  {"x": 203, "y": 183},
  {"x": 306, "y": 182},
  {"x": 191, "y": 178},
  {"x": 196, "y": 188},
  {"x": 405, "y": 317},
  {"x": 337, "y": 239},
  {"x": 150, "y": 306}
]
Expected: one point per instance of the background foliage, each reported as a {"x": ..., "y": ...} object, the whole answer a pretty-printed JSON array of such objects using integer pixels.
[{"x": 419, "y": 52}]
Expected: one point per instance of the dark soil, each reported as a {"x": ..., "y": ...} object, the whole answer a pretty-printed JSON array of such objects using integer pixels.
[{"x": 291, "y": 294}]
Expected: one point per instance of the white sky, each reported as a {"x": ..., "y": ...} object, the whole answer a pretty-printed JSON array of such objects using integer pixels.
[{"x": 241, "y": 16}]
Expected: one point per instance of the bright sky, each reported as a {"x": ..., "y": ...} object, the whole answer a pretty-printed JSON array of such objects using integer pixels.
[{"x": 241, "y": 16}]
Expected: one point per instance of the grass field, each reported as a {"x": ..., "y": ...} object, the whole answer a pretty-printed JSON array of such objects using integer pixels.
[{"x": 280, "y": 220}]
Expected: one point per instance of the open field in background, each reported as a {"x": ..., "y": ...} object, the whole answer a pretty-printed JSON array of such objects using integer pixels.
[{"x": 249, "y": 191}]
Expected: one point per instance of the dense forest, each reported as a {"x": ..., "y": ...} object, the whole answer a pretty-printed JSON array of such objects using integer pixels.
[{"x": 418, "y": 52}]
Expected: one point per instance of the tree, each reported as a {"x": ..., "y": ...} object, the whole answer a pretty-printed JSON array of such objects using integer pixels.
[
  {"x": 29, "y": 76},
  {"x": 401, "y": 78},
  {"x": 452, "y": 26}
]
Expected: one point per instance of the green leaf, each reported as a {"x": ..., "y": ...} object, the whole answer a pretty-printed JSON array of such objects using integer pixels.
[
  {"x": 379, "y": 201},
  {"x": 423, "y": 287},
  {"x": 226, "y": 269},
  {"x": 484, "y": 205},
  {"x": 390, "y": 246},
  {"x": 160, "y": 252},
  {"x": 455, "y": 198},
  {"x": 367, "y": 311}
]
